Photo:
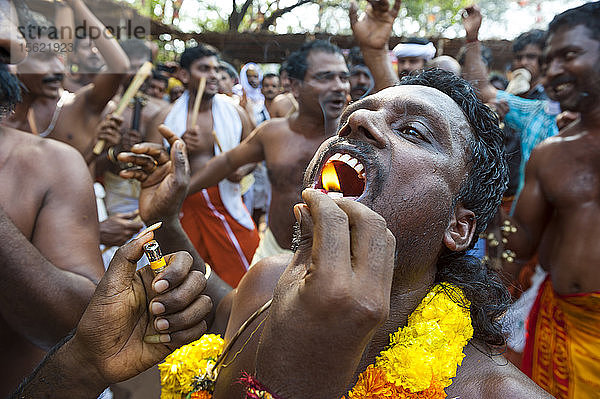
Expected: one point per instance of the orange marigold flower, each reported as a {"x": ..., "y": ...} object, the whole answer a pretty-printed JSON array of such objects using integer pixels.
[
  {"x": 201, "y": 395},
  {"x": 372, "y": 384}
]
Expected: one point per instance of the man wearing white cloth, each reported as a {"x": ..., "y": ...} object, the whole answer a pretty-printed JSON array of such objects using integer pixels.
[
  {"x": 413, "y": 55},
  {"x": 215, "y": 218}
]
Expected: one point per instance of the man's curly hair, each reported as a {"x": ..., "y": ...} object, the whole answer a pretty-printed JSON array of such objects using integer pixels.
[{"x": 481, "y": 193}]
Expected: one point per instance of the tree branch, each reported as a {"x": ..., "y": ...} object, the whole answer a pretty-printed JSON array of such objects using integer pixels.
[
  {"x": 279, "y": 12},
  {"x": 236, "y": 17}
]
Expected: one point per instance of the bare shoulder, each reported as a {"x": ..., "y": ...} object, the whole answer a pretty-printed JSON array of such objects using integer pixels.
[
  {"x": 48, "y": 156},
  {"x": 274, "y": 127},
  {"x": 254, "y": 290},
  {"x": 483, "y": 376}
]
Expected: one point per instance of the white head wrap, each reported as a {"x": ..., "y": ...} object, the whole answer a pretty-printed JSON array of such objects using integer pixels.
[
  {"x": 425, "y": 51},
  {"x": 252, "y": 93}
]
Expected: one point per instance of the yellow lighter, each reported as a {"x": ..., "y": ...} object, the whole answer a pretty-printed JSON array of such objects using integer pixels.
[{"x": 157, "y": 261}]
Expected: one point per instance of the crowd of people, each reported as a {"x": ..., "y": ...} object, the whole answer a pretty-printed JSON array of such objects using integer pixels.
[{"x": 350, "y": 226}]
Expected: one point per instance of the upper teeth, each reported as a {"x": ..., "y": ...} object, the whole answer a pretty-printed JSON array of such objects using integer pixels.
[{"x": 350, "y": 161}]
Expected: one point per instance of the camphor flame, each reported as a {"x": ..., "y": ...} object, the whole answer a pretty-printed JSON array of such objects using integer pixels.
[{"x": 329, "y": 178}]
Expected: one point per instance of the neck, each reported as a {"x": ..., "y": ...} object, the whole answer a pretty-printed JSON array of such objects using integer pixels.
[
  {"x": 205, "y": 104},
  {"x": 591, "y": 119},
  {"x": 22, "y": 108},
  {"x": 404, "y": 299},
  {"x": 306, "y": 123}
]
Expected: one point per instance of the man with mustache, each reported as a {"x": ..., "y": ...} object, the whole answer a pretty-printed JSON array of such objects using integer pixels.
[
  {"x": 215, "y": 219},
  {"x": 432, "y": 167},
  {"x": 557, "y": 215},
  {"x": 71, "y": 119},
  {"x": 320, "y": 83},
  {"x": 48, "y": 232},
  {"x": 270, "y": 89}
]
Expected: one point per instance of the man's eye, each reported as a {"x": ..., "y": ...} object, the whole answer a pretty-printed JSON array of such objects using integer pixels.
[
  {"x": 409, "y": 131},
  {"x": 569, "y": 55}
]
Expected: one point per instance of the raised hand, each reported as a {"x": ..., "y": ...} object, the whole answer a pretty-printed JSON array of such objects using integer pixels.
[
  {"x": 471, "y": 18},
  {"x": 164, "y": 177},
  {"x": 330, "y": 299},
  {"x": 109, "y": 130},
  {"x": 135, "y": 319},
  {"x": 119, "y": 228},
  {"x": 374, "y": 27}
]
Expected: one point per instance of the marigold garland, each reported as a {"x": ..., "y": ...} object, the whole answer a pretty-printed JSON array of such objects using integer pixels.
[{"x": 420, "y": 361}]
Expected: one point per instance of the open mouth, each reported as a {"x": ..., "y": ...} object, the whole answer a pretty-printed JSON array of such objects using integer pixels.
[
  {"x": 564, "y": 89},
  {"x": 342, "y": 175}
]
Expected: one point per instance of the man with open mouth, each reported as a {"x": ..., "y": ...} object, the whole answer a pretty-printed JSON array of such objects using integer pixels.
[
  {"x": 320, "y": 84},
  {"x": 390, "y": 208}
]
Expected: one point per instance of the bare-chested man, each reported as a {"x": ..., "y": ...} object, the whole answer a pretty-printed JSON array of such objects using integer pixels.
[
  {"x": 215, "y": 218},
  {"x": 558, "y": 213},
  {"x": 270, "y": 89},
  {"x": 49, "y": 239},
  {"x": 320, "y": 82},
  {"x": 433, "y": 168},
  {"x": 76, "y": 120},
  {"x": 285, "y": 104}
]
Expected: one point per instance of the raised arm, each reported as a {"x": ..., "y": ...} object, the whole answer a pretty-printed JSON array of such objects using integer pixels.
[
  {"x": 218, "y": 168},
  {"x": 372, "y": 31},
  {"x": 165, "y": 179},
  {"x": 474, "y": 69},
  {"x": 530, "y": 217},
  {"x": 49, "y": 281},
  {"x": 107, "y": 82}
]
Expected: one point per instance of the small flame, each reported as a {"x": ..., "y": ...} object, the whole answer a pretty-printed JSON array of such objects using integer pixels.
[{"x": 329, "y": 178}]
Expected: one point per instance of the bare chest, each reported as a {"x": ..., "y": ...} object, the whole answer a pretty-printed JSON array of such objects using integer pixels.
[{"x": 572, "y": 178}]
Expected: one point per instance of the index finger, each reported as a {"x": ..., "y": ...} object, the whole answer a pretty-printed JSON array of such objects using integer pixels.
[{"x": 168, "y": 134}]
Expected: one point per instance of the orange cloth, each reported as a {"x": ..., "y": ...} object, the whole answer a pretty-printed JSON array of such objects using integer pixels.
[
  {"x": 219, "y": 239},
  {"x": 562, "y": 352}
]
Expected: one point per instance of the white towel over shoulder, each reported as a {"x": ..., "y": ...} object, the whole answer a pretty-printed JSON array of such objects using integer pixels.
[{"x": 228, "y": 128}]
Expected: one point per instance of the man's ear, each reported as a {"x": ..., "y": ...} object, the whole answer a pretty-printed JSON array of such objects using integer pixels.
[
  {"x": 461, "y": 227},
  {"x": 295, "y": 86},
  {"x": 184, "y": 76}
]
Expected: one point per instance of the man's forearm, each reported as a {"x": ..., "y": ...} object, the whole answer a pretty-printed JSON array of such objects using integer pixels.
[
  {"x": 38, "y": 299},
  {"x": 378, "y": 62},
  {"x": 476, "y": 72},
  {"x": 116, "y": 59},
  {"x": 61, "y": 374},
  {"x": 215, "y": 170}
]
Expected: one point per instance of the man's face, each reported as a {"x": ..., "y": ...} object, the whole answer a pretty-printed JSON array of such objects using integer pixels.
[
  {"x": 207, "y": 67},
  {"x": 403, "y": 153},
  {"x": 88, "y": 57},
  {"x": 175, "y": 93},
  {"x": 252, "y": 75},
  {"x": 157, "y": 88},
  {"x": 325, "y": 86},
  {"x": 529, "y": 58},
  {"x": 284, "y": 80},
  {"x": 270, "y": 87},
  {"x": 226, "y": 83},
  {"x": 408, "y": 64},
  {"x": 360, "y": 81},
  {"x": 42, "y": 71},
  {"x": 572, "y": 59}
]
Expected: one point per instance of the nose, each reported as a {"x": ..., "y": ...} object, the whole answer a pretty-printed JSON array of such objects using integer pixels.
[
  {"x": 56, "y": 66},
  {"x": 361, "y": 126},
  {"x": 554, "y": 68}
]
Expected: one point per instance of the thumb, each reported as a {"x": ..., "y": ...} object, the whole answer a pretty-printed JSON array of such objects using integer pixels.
[
  {"x": 122, "y": 266},
  {"x": 304, "y": 231},
  {"x": 180, "y": 161}
]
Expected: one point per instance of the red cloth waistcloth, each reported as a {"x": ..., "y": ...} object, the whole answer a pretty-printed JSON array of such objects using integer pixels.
[{"x": 219, "y": 239}]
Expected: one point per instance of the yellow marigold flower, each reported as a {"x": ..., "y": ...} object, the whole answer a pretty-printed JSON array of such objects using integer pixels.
[{"x": 195, "y": 359}]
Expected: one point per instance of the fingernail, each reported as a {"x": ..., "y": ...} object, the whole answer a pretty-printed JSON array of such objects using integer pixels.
[
  {"x": 157, "y": 339},
  {"x": 148, "y": 230},
  {"x": 161, "y": 286},
  {"x": 135, "y": 146},
  {"x": 157, "y": 308},
  {"x": 298, "y": 213},
  {"x": 161, "y": 324}
]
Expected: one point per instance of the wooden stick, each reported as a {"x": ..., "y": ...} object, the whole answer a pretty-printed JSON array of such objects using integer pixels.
[
  {"x": 141, "y": 75},
  {"x": 199, "y": 94}
]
